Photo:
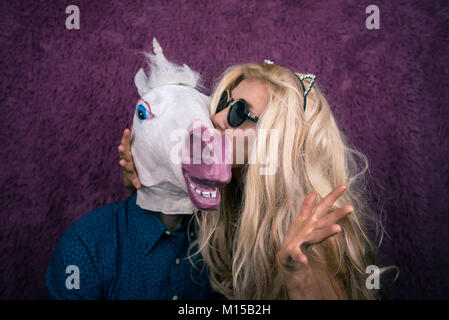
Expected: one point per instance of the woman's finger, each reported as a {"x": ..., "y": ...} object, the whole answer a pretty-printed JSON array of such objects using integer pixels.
[
  {"x": 125, "y": 166},
  {"x": 136, "y": 183},
  {"x": 324, "y": 233},
  {"x": 128, "y": 167},
  {"x": 126, "y": 141},
  {"x": 298, "y": 256},
  {"x": 123, "y": 154},
  {"x": 327, "y": 202},
  {"x": 126, "y": 138},
  {"x": 335, "y": 216},
  {"x": 307, "y": 207},
  {"x": 124, "y": 148}
]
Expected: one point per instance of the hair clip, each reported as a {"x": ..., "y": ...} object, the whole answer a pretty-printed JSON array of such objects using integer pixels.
[
  {"x": 306, "y": 92},
  {"x": 308, "y": 76}
]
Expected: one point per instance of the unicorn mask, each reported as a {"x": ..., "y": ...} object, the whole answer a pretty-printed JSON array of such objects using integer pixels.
[{"x": 169, "y": 117}]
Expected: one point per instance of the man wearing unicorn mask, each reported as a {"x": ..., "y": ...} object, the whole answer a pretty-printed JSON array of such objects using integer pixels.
[{"x": 139, "y": 248}]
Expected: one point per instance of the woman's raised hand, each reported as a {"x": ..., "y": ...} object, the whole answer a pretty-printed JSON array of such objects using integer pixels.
[
  {"x": 130, "y": 179},
  {"x": 312, "y": 226}
]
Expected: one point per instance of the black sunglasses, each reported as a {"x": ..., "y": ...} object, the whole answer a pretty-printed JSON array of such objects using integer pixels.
[{"x": 238, "y": 109}]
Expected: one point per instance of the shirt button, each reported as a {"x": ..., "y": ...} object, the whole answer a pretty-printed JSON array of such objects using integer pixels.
[
  {"x": 177, "y": 260},
  {"x": 175, "y": 297},
  {"x": 192, "y": 234},
  {"x": 167, "y": 232}
]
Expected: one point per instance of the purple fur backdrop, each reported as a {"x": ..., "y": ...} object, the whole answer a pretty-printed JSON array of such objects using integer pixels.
[{"x": 67, "y": 95}]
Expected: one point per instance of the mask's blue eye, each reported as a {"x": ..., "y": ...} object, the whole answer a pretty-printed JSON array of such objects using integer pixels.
[{"x": 141, "y": 112}]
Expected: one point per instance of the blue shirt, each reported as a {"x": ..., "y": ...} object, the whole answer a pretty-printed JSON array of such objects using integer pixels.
[{"x": 121, "y": 251}]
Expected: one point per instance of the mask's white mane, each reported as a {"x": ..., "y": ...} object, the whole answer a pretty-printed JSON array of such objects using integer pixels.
[{"x": 164, "y": 72}]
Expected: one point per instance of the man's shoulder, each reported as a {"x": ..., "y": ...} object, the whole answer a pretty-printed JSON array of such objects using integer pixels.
[
  {"x": 100, "y": 222},
  {"x": 101, "y": 216}
]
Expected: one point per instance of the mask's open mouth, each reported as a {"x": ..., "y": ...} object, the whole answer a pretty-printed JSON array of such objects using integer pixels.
[
  {"x": 203, "y": 194},
  {"x": 203, "y": 188}
]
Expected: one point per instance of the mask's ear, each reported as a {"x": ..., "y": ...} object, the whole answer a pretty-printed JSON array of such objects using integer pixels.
[{"x": 141, "y": 82}]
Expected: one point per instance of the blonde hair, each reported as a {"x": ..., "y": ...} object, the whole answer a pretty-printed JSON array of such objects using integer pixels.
[{"x": 239, "y": 242}]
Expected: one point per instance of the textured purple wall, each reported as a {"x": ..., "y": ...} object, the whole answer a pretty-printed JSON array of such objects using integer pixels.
[{"x": 67, "y": 95}]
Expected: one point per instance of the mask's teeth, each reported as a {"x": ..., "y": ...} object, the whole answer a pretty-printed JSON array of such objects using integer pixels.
[{"x": 205, "y": 194}]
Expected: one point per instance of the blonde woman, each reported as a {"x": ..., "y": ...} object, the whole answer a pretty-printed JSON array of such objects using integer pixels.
[{"x": 299, "y": 230}]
